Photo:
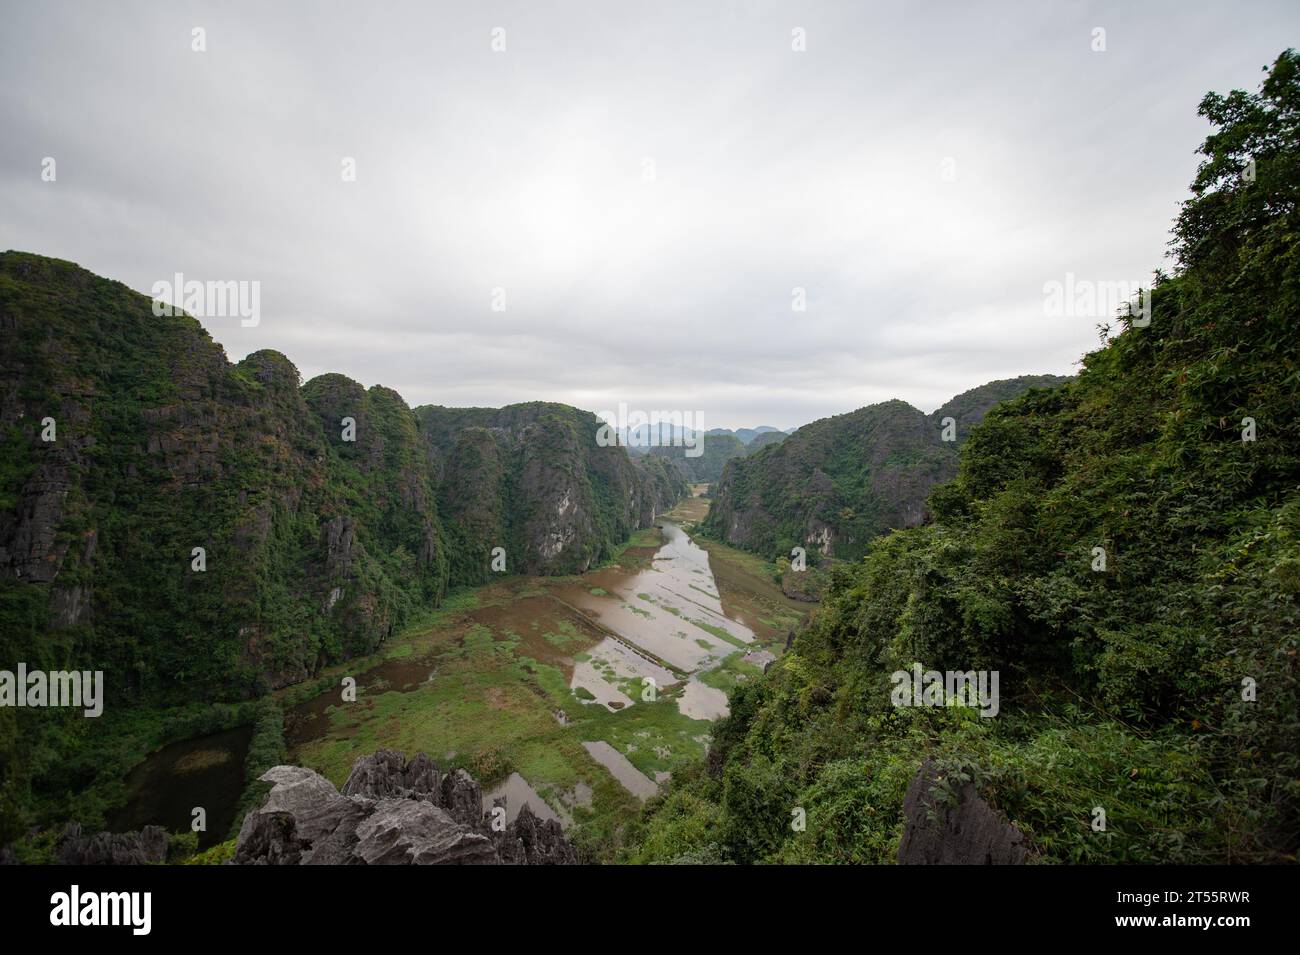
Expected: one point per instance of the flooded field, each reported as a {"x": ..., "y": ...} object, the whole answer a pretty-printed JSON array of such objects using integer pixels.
[
  {"x": 578, "y": 696},
  {"x": 575, "y": 695},
  {"x": 669, "y": 612}
]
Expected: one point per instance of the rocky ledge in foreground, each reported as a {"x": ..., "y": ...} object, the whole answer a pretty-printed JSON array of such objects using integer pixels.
[
  {"x": 149, "y": 845},
  {"x": 390, "y": 812},
  {"x": 961, "y": 831}
]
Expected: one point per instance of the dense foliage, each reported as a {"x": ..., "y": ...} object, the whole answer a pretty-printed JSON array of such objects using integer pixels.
[
  {"x": 204, "y": 532},
  {"x": 1161, "y": 689},
  {"x": 533, "y": 480},
  {"x": 838, "y": 482}
]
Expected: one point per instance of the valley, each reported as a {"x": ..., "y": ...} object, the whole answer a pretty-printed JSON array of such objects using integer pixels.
[
  {"x": 1113, "y": 555},
  {"x": 578, "y": 695}
]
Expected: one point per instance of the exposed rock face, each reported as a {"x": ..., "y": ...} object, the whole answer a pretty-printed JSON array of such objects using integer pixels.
[
  {"x": 387, "y": 773},
  {"x": 463, "y": 797},
  {"x": 415, "y": 832},
  {"x": 303, "y": 821},
  {"x": 532, "y": 841},
  {"x": 391, "y": 812},
  {"x": 112, "y": 848},
  {"x": 763, "y": 659},
  {"x": 338, "y": 537},
  {"x": 968, "y": 833},
  {"x": 534, "y": 480},
  {"x": 28, "y": 544},
  {"x": 70, "y": 606}
]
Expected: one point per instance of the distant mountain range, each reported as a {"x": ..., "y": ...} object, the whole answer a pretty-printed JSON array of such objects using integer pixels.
[
  {"x": 747, "y": 435},
  {"x": 719, "y": 446},
  {"x": 678, "y": 447},
  {"x": 641, "y": 439}
]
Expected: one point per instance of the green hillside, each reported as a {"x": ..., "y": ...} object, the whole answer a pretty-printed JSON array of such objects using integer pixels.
[
  {"x": 531, "y": 479},
  {"x": 1160, "y": 690},
  {"x": 206, "y": 532},
  {"x": 836, "y": 483},
  {"x": 706, "y": 467}
]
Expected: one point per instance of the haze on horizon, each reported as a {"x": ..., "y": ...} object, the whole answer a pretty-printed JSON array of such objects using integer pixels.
[{"x": 646, "y": 184}]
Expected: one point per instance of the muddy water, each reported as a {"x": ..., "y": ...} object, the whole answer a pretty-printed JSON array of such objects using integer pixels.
[
  {"x": 671, "y": 611},
  {"x": 206, "y": 772},
  {"x": 633, "y": 780},
  {"x": 702, "y": 702},
  {"x": 516, "y": 793},
  {"x": 612, "y": 665}
]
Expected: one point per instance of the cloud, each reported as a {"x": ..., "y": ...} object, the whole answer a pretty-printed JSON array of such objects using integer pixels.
[{"x": 647, "y": 184}]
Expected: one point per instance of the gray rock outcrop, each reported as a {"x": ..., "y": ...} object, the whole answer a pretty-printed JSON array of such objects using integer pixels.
[
  {"x": 416, "y": 832},
  {"x": 112, "y": 848},
  {"x": 966, "y": 832},
  {"x": 462, "y": 797},
  {"x": 391, "y": 811}
]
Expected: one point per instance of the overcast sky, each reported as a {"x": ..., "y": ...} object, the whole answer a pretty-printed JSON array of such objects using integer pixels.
[{"x": 648, "y": 182}]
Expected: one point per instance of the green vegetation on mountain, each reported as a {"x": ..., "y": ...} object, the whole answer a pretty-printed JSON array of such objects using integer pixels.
[
  {"x": 835, "y": 484},
  {"x": 708, "y": 459},
  {"x": 532, "y": 479},
  {"x": 747, "y": 436},
  {"x": 161, "y": 447},
  {"x": 715, "y": 450},
  {"x": 205, "y": 532},
  {"x": 1160, "y": 690},
  {"x": 763, "y": 439}
]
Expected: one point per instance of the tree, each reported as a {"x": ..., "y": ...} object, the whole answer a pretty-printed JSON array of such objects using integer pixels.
[{"x": 1249, "y": 182}]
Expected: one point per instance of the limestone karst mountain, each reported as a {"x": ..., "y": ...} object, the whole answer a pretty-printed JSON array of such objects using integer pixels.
[
  {"x": 204, "y": 529},
  {"x": 532, "y": 479},
  {"x": 836, "y": 483}
]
